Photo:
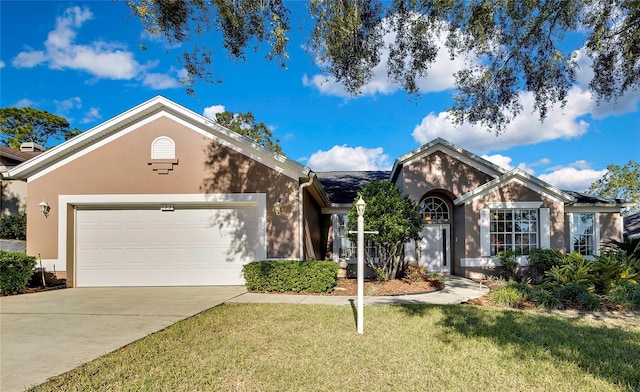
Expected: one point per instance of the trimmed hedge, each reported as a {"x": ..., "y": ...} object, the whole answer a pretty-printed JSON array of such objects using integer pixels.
[
  {"x": 15, "y": 271},
  {"x": 291, "y": 275},
  {"x": 14, "y": 226}
]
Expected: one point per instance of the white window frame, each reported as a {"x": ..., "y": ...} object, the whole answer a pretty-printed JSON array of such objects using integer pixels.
[
  {"x": 544, "y": 226},
  {"x": 573, "y": 231}
]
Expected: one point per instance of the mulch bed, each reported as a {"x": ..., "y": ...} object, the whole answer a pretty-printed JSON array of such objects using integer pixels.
[{"x": 392, "y": 287}]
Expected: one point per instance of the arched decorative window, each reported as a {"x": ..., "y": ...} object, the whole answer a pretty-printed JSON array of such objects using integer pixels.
[
  {"x": 434, "y": 209},
  {"x": 163, "y": 148}
]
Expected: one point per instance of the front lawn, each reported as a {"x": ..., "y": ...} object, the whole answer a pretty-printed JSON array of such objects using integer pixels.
[{"x": 276, "y": 347}]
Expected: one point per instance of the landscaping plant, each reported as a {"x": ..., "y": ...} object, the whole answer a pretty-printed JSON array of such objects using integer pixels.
[
  {"x": 15, "y": 271},
  {"x": 291, "y": 275},
  {"x": 397, "y": 220}
]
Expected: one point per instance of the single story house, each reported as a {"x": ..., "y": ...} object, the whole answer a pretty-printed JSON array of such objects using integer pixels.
[{"x": 160, "y": 195}]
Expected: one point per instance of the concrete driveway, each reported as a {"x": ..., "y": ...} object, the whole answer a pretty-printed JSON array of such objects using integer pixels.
[{"x": 49, "y": 333}]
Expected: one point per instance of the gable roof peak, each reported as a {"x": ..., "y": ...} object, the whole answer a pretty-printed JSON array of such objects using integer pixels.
[{"x": 441, "y": 144}]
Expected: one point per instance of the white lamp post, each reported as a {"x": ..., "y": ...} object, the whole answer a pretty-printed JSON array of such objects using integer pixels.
[{"x": 360, "y": 206}]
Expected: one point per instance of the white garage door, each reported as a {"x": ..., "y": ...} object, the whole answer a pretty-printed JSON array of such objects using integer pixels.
[{"x": 149, "y": 247}]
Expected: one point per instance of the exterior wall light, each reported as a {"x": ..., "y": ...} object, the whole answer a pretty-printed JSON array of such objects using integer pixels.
[
  {"x": 277, "y": 207},
  {"x": 44, "y": 208}
]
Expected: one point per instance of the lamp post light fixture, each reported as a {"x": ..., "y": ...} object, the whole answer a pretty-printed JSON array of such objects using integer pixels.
[
  {"x": 360, "y": 207},
  {"x": 277, "y": 207},
  {"x": 44, "y": 208}
]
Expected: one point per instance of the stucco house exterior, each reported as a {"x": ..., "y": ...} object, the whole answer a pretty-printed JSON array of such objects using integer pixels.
[{"x": 160, "y": 195}]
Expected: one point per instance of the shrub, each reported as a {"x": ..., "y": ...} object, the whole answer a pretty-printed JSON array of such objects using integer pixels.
[
  {"x": 544, "y": 298},
  {"x": 610, "y": 267},
  {"x": 625, "y": 294},
  {"x": 14, "y": 226},
  {"x": 509, "y": 263},
  {"x": 589, "y": 301},
  {"x": 575, "y": 294},
  {"x": 573, "y": 268},
  {"x": 415, "y": 274},
  {"x": 15, "y": 271},
  {"x": 541, "y": 261},
  {"x": 508, "y": 296},
  {"x": 291, "y": 275}
]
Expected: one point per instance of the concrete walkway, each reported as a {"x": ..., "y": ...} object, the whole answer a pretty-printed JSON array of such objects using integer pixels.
[{"x": 457, "y": 290}]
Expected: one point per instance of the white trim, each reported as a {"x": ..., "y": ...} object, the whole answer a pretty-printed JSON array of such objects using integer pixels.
[
  {"x": 494, "y": 205},
  {"x": 545, "y": 229},
  {"x": 133, "y": 118},
  {"x": 485, "y": 232},
  {"x": 478, "y": 262},
  {"x": 158, "y": 154},
  {"x": 520, "y": 177},
  {"x": 490, "y": 261},
  {"x": 248, "y": 152},
  {"x": 596, "y": 231},
  {"x": 49, "y": 265},
  {"x": 200, "y": 199},
  {"x": 450, "y": 149}
]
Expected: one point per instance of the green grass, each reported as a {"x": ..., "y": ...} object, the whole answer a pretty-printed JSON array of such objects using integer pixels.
[{"x": 276, "y": 347}]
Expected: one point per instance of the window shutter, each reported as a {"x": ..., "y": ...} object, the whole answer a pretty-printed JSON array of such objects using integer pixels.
[
  {"x": 545, "y": 229},
  {"x": 485, "y": 238}
]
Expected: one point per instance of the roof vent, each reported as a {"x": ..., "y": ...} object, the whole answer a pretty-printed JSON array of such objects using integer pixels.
[{"x": 31, "y": 147}]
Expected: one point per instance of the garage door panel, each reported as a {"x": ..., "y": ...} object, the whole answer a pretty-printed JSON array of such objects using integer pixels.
[{"x": 148, "y": 247}]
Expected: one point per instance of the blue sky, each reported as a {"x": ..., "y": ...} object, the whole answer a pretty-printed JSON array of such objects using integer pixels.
[{"x": 82, "y": 61}]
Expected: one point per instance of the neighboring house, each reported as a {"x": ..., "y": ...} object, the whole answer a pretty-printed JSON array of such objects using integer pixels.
[
  {"x": 632, "y": 226},
  {"x": 13, "y": 196},
  {"x": 160, "y": 195}
]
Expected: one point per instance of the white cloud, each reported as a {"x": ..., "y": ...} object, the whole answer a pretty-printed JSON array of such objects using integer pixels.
[
  {"x": 572, "y": 178},
  {"x": 99, "y": 58},
  {"x": 92, "y": 115},
  {"x": 525, "y": 129},
  {"x": 349, "y": 158},
  {"x": 211, "y": 111},
  {"x": 439, "y": 78},
  {"x": 2, "y": 64},
  {"x": 29, "y": 59},
  {"x": 66, "y": 105},
  {"x": 505, "y": 162},
  {"x": 24, "y": 103},
  {"x": 159, "y": 81},
  {"x": 102, "y": 59}
]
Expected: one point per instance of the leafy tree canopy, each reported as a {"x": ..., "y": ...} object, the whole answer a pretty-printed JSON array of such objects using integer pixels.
[
  {"x": 511, "y": 46},
  {"x": 245, "y": 124},
  {"x": 620, "y": 182},
  {"x": 397, "y": 220},
  {"x": 20, "y": 125}
]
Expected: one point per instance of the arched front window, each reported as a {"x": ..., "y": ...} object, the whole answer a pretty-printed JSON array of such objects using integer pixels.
[
  {"x": 163, "y": 148},
  {"x": 434, "y": 209}
]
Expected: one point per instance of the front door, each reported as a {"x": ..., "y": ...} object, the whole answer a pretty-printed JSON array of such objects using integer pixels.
[{"x": 434, "y": 250}]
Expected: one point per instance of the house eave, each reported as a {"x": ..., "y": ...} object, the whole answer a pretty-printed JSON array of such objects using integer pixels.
[
  {"x": 515, "y": 175},
  {"x": 147, "y": 109}
]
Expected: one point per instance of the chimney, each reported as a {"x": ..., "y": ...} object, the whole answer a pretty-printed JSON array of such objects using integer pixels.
[{"x": 31, "y": 147}]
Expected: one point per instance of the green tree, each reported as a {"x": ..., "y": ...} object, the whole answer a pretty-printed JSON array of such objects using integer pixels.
[
  {"x": 245, "y": 124},
  {"x": 397, "y": 220},
  {"x": 512, "y": 45},
  {"x": 20, "y": 125},
  {"x": 620, "y": 183}
]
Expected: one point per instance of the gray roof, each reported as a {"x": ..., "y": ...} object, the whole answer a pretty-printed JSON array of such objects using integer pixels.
[
  {"x": 583, "y": 198},
  {"x": 342, "y": 186},
  {"x": 632, "y": 225}
]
